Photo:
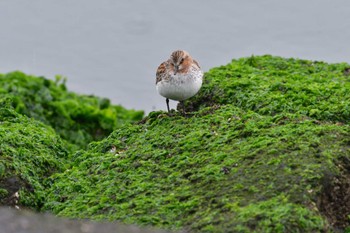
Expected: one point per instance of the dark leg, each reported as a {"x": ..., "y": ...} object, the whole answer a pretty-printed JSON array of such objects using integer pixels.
[{"x": 167, "y": 104}]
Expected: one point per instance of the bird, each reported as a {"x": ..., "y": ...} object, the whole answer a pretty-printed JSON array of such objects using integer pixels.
[{"x": 179, "y": 78}]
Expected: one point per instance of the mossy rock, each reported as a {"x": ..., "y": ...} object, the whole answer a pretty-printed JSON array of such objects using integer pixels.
[
  {"x": 272, "y": 85},
  {"x": 30, "y": 152},
  {"x": 78, "y": 119},
  {"x": 221, "y": 170},
  {"x": 265, "y": 149}
]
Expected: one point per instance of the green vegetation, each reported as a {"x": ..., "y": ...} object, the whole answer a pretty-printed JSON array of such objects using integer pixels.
[
  {"x": 266, "y": 148},
  {"x": 41, "y": 123},
  {"x": 79, "y": 119},
  {"x": 30, "y": 151},
  {"x": 265, "y": 151},
  {"x": 228, "y": 168},
  {"x": 271, "y": 85}
]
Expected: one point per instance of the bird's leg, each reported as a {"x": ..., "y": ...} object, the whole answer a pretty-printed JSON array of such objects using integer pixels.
[{"x": 167, "y": 104}]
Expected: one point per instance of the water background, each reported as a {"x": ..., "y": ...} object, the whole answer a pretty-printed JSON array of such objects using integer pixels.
[{"x": 111, "y": 48}]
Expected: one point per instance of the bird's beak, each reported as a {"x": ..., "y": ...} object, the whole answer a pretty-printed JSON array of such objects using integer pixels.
[{"x": 176, "y": 69}]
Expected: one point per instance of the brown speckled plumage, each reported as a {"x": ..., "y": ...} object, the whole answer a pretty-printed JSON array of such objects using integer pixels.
[{"x": 178, "y": 78}]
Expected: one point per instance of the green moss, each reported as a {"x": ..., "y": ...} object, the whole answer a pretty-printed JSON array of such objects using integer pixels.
[
  {"x": 79, "y": 119},
  {"x": 30, "y": 151},
  {"x": 206, "y": 172},
  {"x": 3, "y": 193},
  {"x": 266, "y": 150},
  {"x": 275, "y": 215},
  {"x": 272, "y": 85}
]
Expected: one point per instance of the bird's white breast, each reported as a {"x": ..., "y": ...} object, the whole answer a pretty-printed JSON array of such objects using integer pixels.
[{"x": 181, "y": 86}]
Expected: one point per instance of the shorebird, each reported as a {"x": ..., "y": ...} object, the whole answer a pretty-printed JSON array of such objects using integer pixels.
[{"x": 179, "y": 78}]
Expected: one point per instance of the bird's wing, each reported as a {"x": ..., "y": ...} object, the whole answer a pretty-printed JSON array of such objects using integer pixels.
[
  {"x": 161, "y": 71},
  {"x": 195, "y": 62}
]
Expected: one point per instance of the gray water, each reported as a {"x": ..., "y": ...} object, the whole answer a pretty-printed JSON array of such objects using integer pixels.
[{"x": 111, "y": 48}]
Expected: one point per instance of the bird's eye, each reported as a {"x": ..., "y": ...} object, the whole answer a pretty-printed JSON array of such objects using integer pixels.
[{"x": 182, "y": 60}]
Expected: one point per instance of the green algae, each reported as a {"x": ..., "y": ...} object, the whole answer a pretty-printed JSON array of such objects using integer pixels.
[
  {"x": 271, "y": 85},
  {"x": 79, "y": 119},
  {"x": 41, "y": 124},
  {"x": 207, "y": 173},
  {"x": 266, "y": 149},
  {"x": 30, "y": 152}
]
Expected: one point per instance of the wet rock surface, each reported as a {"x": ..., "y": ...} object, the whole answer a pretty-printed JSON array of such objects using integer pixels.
[{"x": 24, "y": 221}]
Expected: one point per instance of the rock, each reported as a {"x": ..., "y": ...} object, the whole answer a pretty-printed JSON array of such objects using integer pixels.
[
  {"x": 24, "y": 221},
  {"x": 264, "y": 147}
]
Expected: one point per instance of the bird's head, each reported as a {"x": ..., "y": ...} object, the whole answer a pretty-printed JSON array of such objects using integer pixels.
[{"x": 180, "y": 60}]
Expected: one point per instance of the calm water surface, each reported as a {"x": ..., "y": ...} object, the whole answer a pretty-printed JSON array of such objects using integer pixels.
[{"x": 112, "y": 48}]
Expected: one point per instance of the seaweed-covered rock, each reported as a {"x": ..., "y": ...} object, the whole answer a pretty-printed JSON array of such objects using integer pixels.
[
  {"x": 30, "y": 151},
  {"x": 272, "y": 85},
  {"x": 79, "y": 119},
  {"x": 229, "y": 170},
  {"x": 266, "y": 151}
]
